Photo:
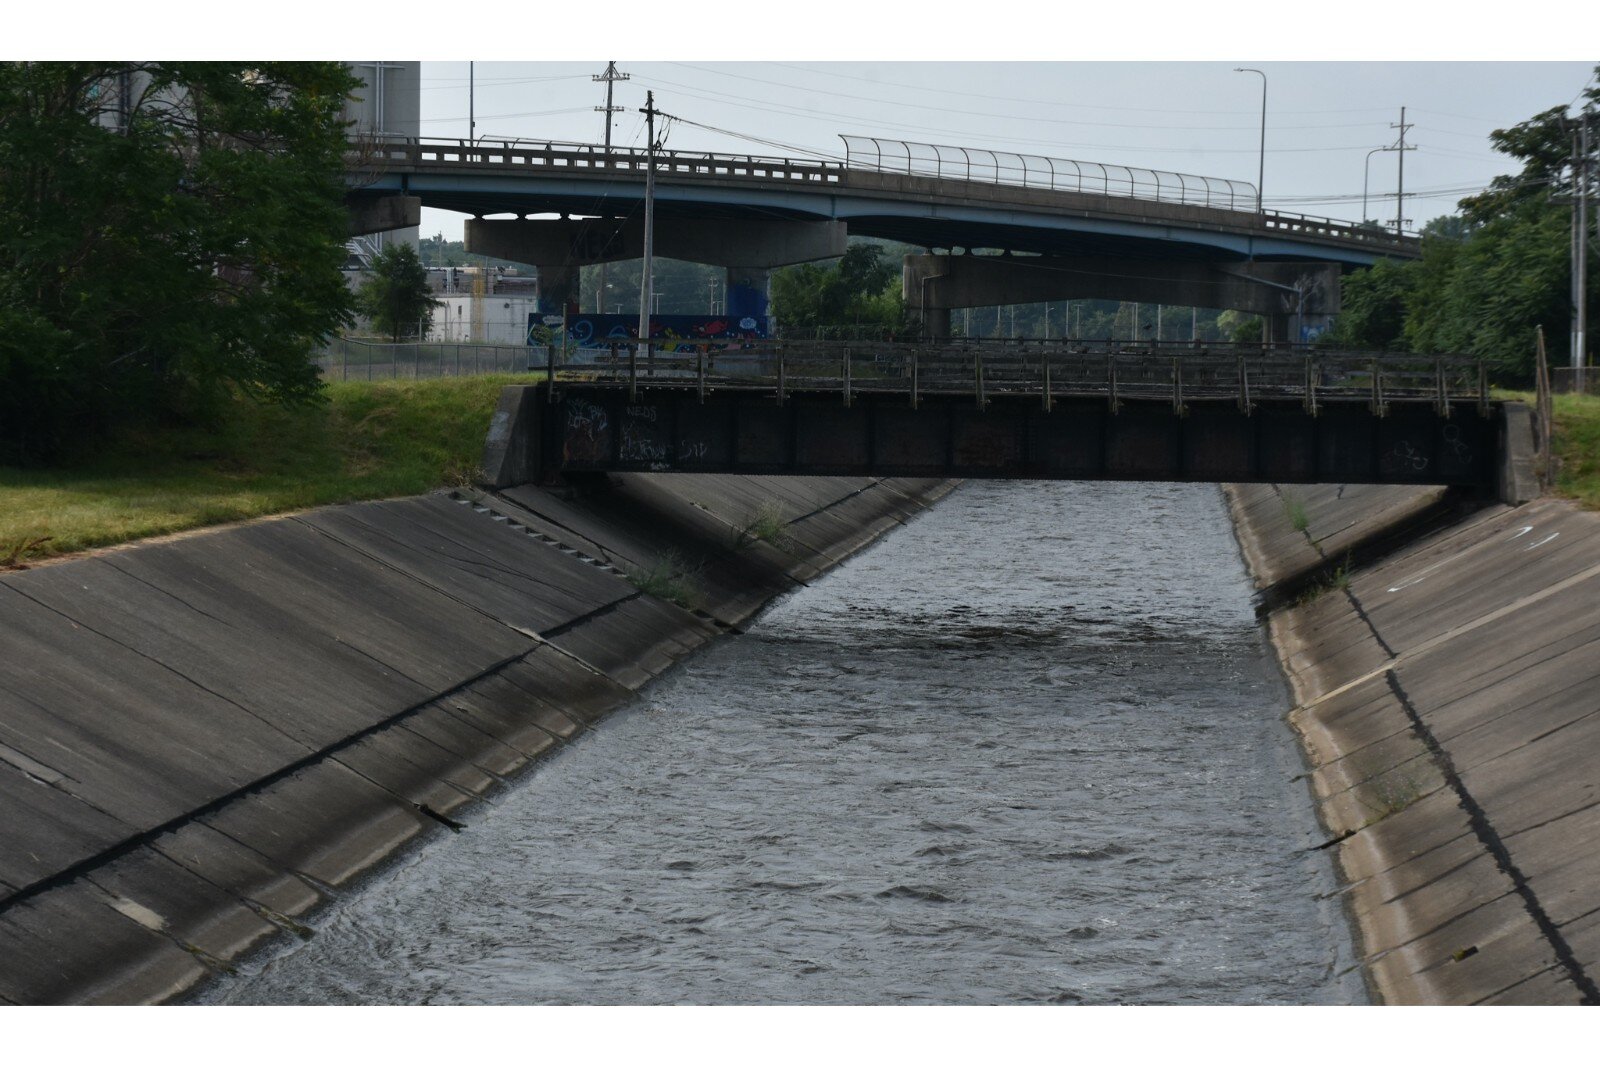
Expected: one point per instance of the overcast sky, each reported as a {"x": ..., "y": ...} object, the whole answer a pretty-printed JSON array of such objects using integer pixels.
[
  {"x": 1005, "y": 74},
  {"x": 1198, "y": 118}
]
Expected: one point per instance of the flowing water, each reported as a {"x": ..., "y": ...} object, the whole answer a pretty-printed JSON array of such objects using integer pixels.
[{"x": 1028, "y": 749}]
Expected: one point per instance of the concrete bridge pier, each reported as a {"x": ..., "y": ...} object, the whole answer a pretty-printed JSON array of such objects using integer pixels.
[
  {"x": 748, "y": 294},
  {"x": 748, "y": 249},
  {"x": 558, "y": 288},
  {"x": 1291, "y": 296}
]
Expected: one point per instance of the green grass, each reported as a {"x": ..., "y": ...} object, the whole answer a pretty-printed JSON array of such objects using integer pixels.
[
  {"x": 1577, "y": 448},
  {"x": 1577, "y": 443},
  {"x": 765, "y": 523},
  {"x": 1294, "y": 509},
  {"x": 370, "y": 440},
  {"x": 663, "y": 579}
]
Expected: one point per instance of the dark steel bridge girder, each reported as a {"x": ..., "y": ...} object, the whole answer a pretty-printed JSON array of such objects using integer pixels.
[{"x": 589, "y": 429}]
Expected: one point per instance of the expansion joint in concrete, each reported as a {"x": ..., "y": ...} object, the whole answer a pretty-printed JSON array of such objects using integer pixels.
[
  {"x": 129, "y": 844},
  {"x": 1490, "y": 839}
]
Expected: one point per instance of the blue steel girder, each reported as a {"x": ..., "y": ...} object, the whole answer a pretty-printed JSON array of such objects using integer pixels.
[{"x": 915, "y": 221}]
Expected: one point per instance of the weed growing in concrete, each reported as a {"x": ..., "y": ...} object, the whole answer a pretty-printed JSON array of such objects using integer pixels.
[
  {"x": 663, "y": 579},
  {"x": 1338, "y": 580},
  {"x": 1294, "y": 508},
  {"x": 12, "y": 558},
  {"x": 765, "y": 523}
]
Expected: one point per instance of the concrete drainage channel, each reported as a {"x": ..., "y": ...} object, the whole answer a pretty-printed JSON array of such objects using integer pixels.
[
  {"x": 203, "y": 740},
  {"x": 1443, "y": 687}
]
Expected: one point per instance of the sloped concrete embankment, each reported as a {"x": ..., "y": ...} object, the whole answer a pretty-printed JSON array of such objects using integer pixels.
[
  {"x": 1446, "y": 682},
  {"x": 203, "y": 740}
]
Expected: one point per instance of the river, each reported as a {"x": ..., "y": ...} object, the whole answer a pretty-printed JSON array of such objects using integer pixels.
[{"x": 1027, "y": 749}]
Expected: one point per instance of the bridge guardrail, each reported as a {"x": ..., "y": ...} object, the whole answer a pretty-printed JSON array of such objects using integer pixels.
[
  {"x": 1046, "y": 172},
  {"x": 1057, "y": 175},
  {"x": 1049, "y": 370}
]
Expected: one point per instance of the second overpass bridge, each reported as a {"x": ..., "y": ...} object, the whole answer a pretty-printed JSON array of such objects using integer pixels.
[{"x": 1065, "y": 229}]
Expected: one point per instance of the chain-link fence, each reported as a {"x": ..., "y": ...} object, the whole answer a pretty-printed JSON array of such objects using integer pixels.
[{"x": 343, "y": 359}]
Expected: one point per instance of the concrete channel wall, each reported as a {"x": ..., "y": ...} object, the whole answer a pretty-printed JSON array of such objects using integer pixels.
[
  {"x": 204, "y": 739},
  {"x": 1445, "y": 667}
]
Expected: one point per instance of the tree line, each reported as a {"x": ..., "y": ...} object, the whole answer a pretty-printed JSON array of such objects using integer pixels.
[
  {"x": 171, "y": 237},
  {"x": 171, "y": 234},
  {"x": 1493, "y": 273}
]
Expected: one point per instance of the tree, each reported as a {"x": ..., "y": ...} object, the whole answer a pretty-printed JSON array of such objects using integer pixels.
[
  {"x": 396, "y": 296},
  {"x": 1241, "y": 327},
  {"x": 1491, "y": 275},
  {"x": 170, "y": 233},
  {"x": 858, "y": 290},
  {"x": 1373, "y": 308}
]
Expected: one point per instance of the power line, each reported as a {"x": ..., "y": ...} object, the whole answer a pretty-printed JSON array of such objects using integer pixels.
[
  {"x": 1059, "y": 103},
  {"x": 990, "y": 114},
  {"x": 728, "y": 100}
]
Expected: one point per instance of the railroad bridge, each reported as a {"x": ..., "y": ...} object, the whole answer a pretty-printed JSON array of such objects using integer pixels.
[{"x": 1052, "y": 410}]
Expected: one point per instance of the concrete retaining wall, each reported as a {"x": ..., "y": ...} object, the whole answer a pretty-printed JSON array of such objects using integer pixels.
[
  {"x": 1447, "y": 691},
  {"x": 202, "y": 740}
]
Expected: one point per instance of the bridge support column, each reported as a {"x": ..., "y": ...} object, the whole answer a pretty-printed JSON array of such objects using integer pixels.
[
  {"x": 749, "y": 293},
  {"x": 558, "y": 289},
  {"x": 925, "y": 284}
]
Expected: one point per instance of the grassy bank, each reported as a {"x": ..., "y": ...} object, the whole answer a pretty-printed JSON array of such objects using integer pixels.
[
  {"x": 370, "y": 440},
  {"x": 1577, "y": 448}
]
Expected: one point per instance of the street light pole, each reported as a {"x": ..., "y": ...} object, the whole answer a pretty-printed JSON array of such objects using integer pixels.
[
  {"x": 1366, "y": 172},
  {"x": 1261, "y": 173}
]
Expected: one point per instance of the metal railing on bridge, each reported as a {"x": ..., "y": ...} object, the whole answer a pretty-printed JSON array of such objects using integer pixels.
[
  {"x": 1045, "y": 172},
  {"x": 871, "y": 155},
  {"x": 1178, "y": 372}
]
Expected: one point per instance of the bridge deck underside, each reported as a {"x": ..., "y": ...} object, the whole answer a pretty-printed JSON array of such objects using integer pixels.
[
  {"x": 1018, "y": 228},
  {"x": 590, "y": 428}
]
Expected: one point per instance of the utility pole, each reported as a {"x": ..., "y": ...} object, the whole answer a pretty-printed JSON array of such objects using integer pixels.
[
  {"x": 610, "y": 77},
  {"x": 1400, "y": 192},
  {"x": 646, "y": 288},
  {"x": 472, "y": 114},
  {"x": 1580, "y": 348},
  {"x": 1582, "y": 179}
]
